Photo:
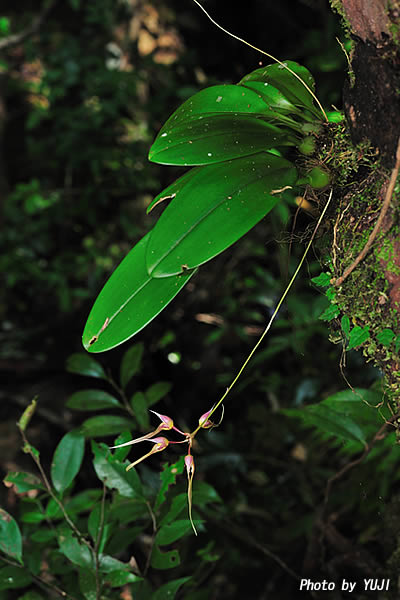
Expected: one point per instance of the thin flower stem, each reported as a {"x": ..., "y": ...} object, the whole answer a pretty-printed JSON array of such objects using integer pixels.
[
  {"x": 268, "y": 327},
  {"x": 283, "y": 65}
]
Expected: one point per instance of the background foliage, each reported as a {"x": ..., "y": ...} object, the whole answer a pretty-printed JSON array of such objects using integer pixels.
[{"x": 81, "y": 102}]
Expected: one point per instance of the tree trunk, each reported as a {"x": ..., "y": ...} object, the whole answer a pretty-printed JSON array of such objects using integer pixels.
[{"x": 370, "y": 295}]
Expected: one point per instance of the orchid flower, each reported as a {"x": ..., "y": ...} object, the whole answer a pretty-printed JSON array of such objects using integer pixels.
[
  {"x": 206, "y": 423},
  {"x": 166, "y": 424},
  {"x": 160, "y": 443},
  {"x": 189, "y": 463}
]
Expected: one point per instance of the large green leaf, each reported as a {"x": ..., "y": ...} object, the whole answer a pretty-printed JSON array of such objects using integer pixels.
[
  {"x": 217, "y": 99},
  {"x": 85, "y": 365},
  {"x": 67, "y": 460},
  {"x": 170, "y": 532},
  {"x": 169, "y": 590},
  {"x": 280, "y": 77},
  {"x": 164, "y": 560},
  {"x": 114, "y": 474},
  {"x": 212, "y": 209},
  {"x": 331, "y": 421},
  {"x": 102, "y": 425},
  {"x": 129, "y": 301},
  {"x": 272, "y": 97},
  {"x": 215, "y": 138},
  {"x": 92, "y": 400},
  {"x": 76, "y": 551},
  {"x": 10, "y": 536}
]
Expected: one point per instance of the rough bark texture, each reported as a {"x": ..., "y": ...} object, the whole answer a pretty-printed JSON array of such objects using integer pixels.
[
  {"x": 361, "y": 154},
  {"x": 371, "y": 95},
  {"x": 371, "y": 296},
  {"x": 369, "y": 19}
]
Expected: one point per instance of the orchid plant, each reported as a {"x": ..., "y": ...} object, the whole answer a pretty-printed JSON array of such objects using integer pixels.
[{"x": 161, "y": 443}]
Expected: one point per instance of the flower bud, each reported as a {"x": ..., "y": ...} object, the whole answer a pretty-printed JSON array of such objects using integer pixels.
[
  {"x": 204, "y": 421},
  {"x": 189, "y": 463},
  {"x": 167, "y": 422},
  {"x": 160, "y": 444}
]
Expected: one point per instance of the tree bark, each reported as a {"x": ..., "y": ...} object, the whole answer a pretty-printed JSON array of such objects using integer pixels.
[{"x": 370, "y": 296}]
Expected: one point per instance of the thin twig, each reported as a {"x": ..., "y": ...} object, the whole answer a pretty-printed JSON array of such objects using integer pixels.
[
  {"x": 28, "y": 450},
  {"x": 98, "y": 542},
  {"x": 153, "y": 537},
  {"x": 122, "y": 394},
  {"x": 374, "y": 232},
  {"x": 18, "y": 38}
]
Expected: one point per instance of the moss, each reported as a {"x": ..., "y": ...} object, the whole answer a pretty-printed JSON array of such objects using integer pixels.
[
  {"x": 359, "y": 187},
  {"x": 337, "y": 7}
]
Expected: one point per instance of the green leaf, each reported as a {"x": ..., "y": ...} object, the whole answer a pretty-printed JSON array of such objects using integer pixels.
[
  {"x": 92, "y": 400},
  {"x": 287, "y": 83},
  {"x": 178, "y": 504},
  {"x": 204, "y": 493},
  {"x": 168, "y": 590},
  {"x": 164, "y": 560},
  {"x": 157, "y": 391},
  {"x": 67, "y": 460},
  {"x": 361, "y": 404},
  {"x": 24, "y": 482},
  {"x": 87, "y": 584},
  {"x": 103, "y": 425},
  {"x": 14, "y": 578},
  {"x": 33, "y": 517},
  {"x": 10, "y": 536},
  {"x": 107, "y": 564},
  {"x": 323, "y": 280},
  {"x": 358, "y": 335},
  {"x": 330, "y": 313},
  {"x": 43, "y": 536},
  {"x": 212, "y": 209},
  {"x": 121, "y": 453},
  {"x": 217, "y": 99},
  {"x": 129, "y": 301},
  {"x": 331, "y": 421},
  {"x": 385, "y": 337},
  {"x": 139, "y": 406},
  {"x": 130, "y": 364},
  {"x": 168, "y": 477},
  {"x": 345, "y": 323},
  {"x": 77, "y": 552},
  {"x": 113, "y": 473},
  {"x": 85, "y": 365},
  {"x": 213, "y": 139},
  {"x": 27, "y": 415},
  {"x": 273, "y": 98},
  {"x": 120, "y": 578},
  {"x": 170, "y": 532},
  {"x": 83, "y": 501}
]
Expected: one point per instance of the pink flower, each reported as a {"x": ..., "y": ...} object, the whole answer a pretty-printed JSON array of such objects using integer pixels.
[
  {"x": 160, "y": 443},
  {"x": 189, "y": 463}
]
